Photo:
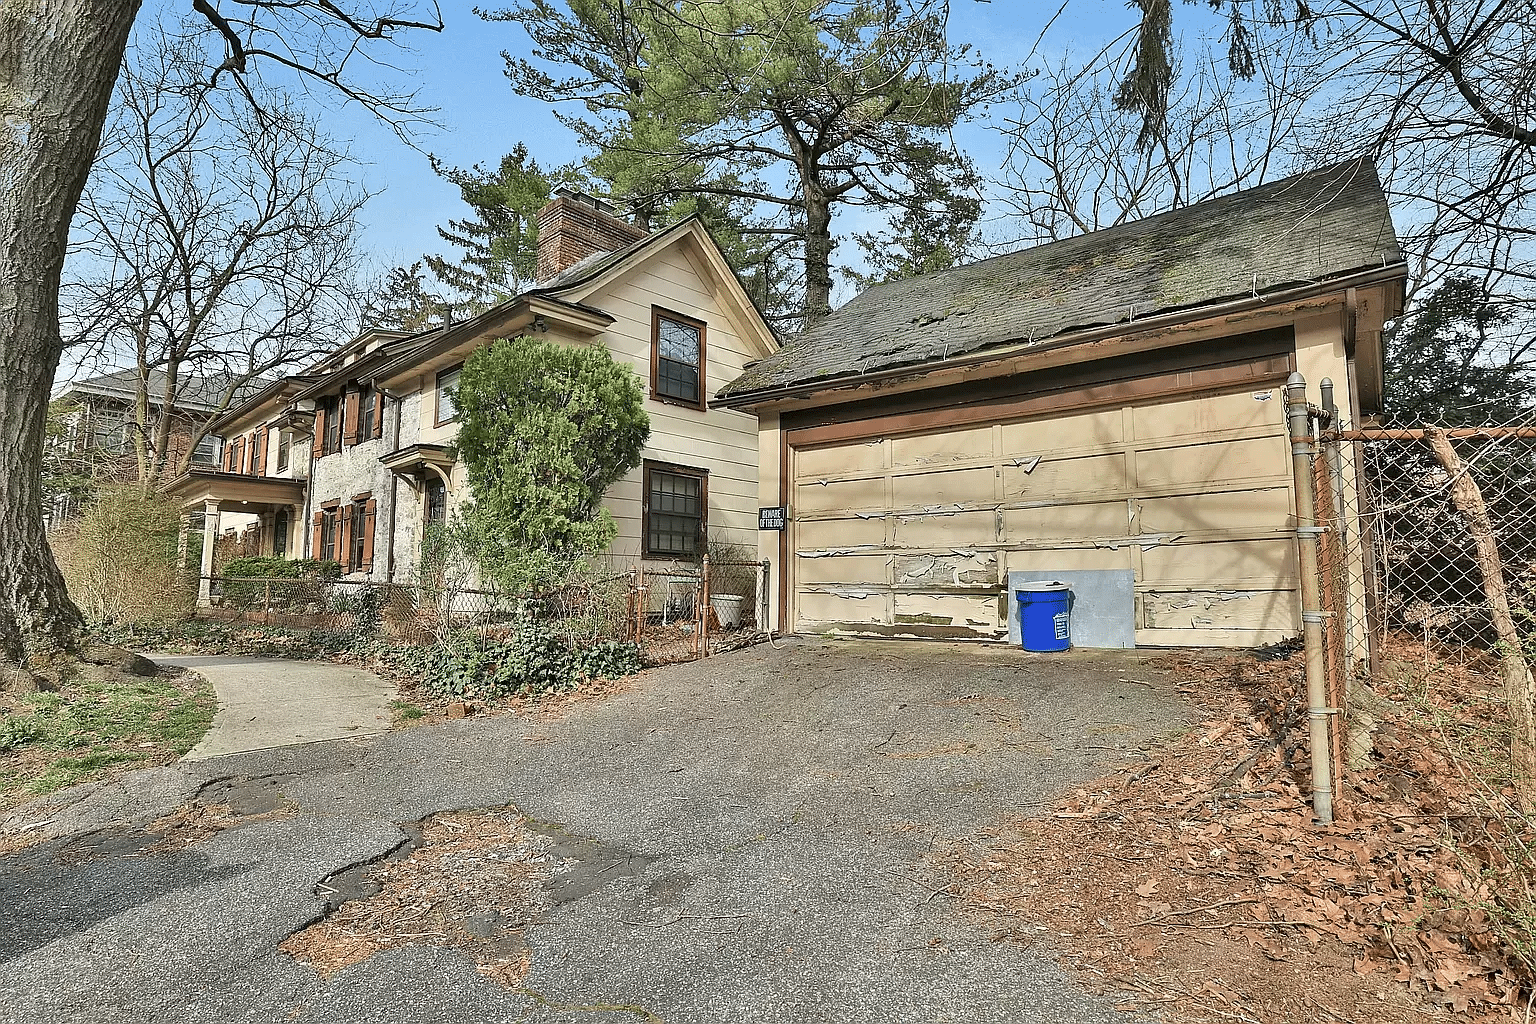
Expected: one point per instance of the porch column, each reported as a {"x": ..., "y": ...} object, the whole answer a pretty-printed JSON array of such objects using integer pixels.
[{"x": 210, "y": 535}]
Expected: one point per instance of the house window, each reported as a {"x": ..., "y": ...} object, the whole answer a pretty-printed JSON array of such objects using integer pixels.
[
  {"x": 677, "y": 358},
  {"x": 331, "y": 443},
  {"x": 676, "y": 510},
  {"x": 280, "y": 535},
  {"x": 447, "y": 411},
  {"x": 365, "y": 422},
  {"x": 437, "y": 502},
  {"x": 329, "y": 519},
  {"x": 109, "y": 429},
  {"x": 207, "y": 451},
  {"x": 357, "y": 537},
  {"x": 284, "y": 447}
]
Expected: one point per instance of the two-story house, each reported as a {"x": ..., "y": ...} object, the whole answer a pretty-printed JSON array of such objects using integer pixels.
[{"x": 352, "y": 459}]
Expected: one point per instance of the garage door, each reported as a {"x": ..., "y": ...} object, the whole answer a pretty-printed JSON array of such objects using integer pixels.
[{"x": 915, "y": 535}]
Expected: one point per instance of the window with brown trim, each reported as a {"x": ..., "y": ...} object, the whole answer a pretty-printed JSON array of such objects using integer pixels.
[
  {"x": 284, "y": 447},
  {"x": 330, "y": 412},
  {"x": 675, "y": 511},
  {"x": 447, "y": 411},
  {"x": 677, "y": 358},
  {"x": 329, "y": 521}
]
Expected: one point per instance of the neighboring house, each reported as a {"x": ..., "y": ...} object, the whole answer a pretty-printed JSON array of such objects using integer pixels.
[
  {"x": 103, "y": 420},
  {"x": 1106, "y": 410},
  {"x": 364, "y": 437}
]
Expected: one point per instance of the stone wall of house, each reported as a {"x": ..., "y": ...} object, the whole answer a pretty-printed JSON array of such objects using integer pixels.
[{"x": 343, "y": 476}]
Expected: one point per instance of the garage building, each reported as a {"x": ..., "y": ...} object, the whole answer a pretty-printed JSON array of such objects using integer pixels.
[{"x": 1105, "y": 410}]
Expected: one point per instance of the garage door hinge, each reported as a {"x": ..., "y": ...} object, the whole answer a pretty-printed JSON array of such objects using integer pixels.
[{"x": 1311, "y": 531}]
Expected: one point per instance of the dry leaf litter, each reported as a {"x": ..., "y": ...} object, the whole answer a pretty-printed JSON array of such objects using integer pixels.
[{"x": 1197, "y": 881}]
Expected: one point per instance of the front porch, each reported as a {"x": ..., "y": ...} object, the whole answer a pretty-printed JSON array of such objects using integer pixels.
[{"x": 276, "y": 502}]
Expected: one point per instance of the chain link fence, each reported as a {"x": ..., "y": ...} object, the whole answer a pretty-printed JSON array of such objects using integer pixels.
[{"x": 674, "y": 614}]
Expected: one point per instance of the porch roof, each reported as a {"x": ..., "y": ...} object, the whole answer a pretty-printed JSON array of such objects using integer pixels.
[{"x": 234, "y": 492}]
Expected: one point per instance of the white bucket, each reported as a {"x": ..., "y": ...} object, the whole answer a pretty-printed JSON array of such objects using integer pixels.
[{"x": 727, "y": 608}]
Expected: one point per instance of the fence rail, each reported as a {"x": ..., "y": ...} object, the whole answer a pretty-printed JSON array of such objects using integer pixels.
[{"x": 678, "y": 613}]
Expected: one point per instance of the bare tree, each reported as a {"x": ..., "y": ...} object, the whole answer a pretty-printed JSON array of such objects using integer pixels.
[
  {"x": 215, "y": 241},
  {"x": 59, "y": 60},
  {"x": 1075, "y": 161}
]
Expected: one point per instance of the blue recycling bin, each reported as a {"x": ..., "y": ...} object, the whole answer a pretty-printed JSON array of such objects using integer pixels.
[{"x": 1044, "y": 616}]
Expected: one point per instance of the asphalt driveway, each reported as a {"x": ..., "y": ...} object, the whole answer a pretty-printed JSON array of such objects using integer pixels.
[{"x": 772, "y": 808}]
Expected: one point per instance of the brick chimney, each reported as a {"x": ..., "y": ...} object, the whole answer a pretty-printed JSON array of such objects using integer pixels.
[{"x": 575, "y": 225}]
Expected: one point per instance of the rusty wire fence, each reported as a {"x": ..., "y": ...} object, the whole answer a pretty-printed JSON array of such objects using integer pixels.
[
  {"x": 1431, "y": 536},
  {"x": 673, "y": 614}
]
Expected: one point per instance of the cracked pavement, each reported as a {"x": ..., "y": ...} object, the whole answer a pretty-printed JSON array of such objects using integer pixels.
[{"x": 772, "y": 810}]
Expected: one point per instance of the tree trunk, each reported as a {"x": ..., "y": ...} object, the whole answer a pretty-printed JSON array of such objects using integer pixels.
[
  {"x": 59, "y": 60},
  {"x": 818, "y": 251},
  {"x": 1519, "y": 689}
]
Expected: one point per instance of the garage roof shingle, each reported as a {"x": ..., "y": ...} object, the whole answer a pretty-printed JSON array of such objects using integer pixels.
[{"x": 1299, "y": 230}]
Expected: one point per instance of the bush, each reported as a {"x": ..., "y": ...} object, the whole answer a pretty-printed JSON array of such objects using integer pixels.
[
  {"x": 119, "y": 558},
  {"x": 533, "y": 659},
  {"x": 544, "y": 430}
]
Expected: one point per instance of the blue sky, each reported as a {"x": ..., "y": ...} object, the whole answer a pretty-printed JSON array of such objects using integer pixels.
[{"x": 460, "y": 72}]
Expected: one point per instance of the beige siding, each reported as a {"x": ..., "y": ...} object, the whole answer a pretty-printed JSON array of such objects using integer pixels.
[
  {"x": 916, "y": 535},
  {"x": 722, "y": 441}
]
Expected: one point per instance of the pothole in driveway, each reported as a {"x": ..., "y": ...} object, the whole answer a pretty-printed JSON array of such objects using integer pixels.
[
  {"x": 218, "y": 806},
  {"x": 473, "y": 880}
]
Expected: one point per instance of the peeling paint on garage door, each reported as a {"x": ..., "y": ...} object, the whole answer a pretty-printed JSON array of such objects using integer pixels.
[{"x": 913, "y": 535}]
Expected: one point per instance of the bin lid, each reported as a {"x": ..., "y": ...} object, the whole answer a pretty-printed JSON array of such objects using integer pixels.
[{"x": 1044, "y": 586}]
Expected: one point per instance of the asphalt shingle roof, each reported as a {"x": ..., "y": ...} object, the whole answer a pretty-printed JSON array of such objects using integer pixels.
[{"x": 1299, "y": 230}]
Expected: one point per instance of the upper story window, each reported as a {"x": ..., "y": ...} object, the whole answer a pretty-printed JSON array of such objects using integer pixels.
[
  {"x": 109, "y": 428},
  {"x": 447, "y": 383},
  {"x": 207, "y": 451},
  {"x": 328, "y": 426},
  {"x": 677, "y": 358},
  {"x": 284, "y": 449},
  {"x": 368, "y": 414}
]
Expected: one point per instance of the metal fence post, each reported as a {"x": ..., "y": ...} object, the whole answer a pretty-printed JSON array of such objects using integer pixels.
[
  {"x": 1307, "y": 534},
  {"x": 704, "y": 608}
]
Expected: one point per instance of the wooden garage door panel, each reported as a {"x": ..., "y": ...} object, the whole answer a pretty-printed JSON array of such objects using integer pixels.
[
  {"x": 849, "y": 569},
  {"x": 1205, "y": 415},
  {"x": 1212, "y": 463},
  {"x": 1265, "y": 509},
  {"x": 939, "y": 449},
  {"x": 1041, "y": 437},
  {"x": 1066, "y": 522},
  {"x": 1054, "y": 477},
  {"x": 851, "y": 607},
  {"x": 1062, "y": 559},
  {"x": 838, "y": 534},
  {"x": 939, "y": 569},
  {"x": 1220, "y": 564},
  {"x": 946, "y": 530},
  {"x": 976, "y": 486},
  {"x": 843, "y": 460},
  {"x": 959, "y": 610},
  {"x": 1231, "y": 609},
  {"x": 840, "y": 495}
]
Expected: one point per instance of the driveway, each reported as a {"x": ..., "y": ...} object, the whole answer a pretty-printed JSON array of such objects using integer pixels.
[{"x": 773, "y": 809}]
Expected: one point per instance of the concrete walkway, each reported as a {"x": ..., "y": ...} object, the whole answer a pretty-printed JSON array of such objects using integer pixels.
[{"x": 272, "y": 702}]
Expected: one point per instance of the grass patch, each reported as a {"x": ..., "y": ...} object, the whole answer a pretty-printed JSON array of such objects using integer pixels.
[
  {"x": 405, "y": 711},
  {"x": 100, "y": 723}
]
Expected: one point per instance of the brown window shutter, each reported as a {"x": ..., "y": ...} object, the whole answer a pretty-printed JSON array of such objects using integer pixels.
[
  {"x": 378, "y": 414},
  {"x": 319, "y": 538},
  {"x": 349, "y": 418},
  {"x": 261, "y": 454},
  {"x": 319, "y": 442},
  {"x": 344, "y": 537},
  {"x": 370, "y": 509},
  {"x": 229, "y": 452}
]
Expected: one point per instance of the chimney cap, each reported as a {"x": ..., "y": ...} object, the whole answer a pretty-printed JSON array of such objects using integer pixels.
[{"x": 576, "y": 195}]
